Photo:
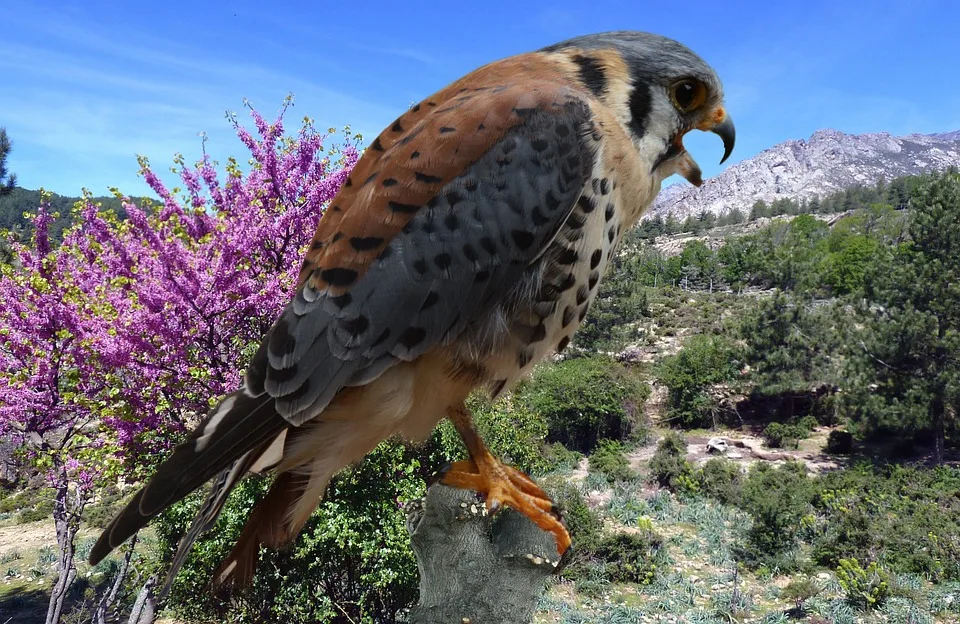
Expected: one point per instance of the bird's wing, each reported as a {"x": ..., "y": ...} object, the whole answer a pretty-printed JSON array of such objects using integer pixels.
[{"x": 427, "y": 237}]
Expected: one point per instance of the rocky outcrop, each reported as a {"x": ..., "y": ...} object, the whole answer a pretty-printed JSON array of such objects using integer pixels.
[{"x": 827, "y": 162}]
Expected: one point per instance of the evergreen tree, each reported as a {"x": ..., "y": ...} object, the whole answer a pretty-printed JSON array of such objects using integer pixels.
[
  {"x": 904, "y": 364},
  {"x": 7, "y": 180}
]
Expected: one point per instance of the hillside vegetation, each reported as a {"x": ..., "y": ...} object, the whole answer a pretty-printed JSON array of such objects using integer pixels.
[{"x": 757, "y": 422}]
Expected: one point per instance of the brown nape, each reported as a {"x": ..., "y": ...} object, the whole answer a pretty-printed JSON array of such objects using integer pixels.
[{"x": 267, "y": 526}]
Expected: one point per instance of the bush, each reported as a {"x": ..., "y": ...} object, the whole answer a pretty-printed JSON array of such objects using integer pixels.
[
  {"x": 777, "y": 499},
  {"x": 351, "y": 562},
  {"x": 788, "y": 435},
  {"x": 559, "y": 457},
  {"x": 41, "y": 510},
  {"x": 631, "y": 557},
  {"x": 669, "y": 467},
  {"x": 584, "y": 525},
  {"x": 608, "y": 459},
  {"x": 800, "y": 590},
  {"x": 585, "y": 400},
  {"x": 720, "y": 479},
  {"x": 865, "y": 588},
  {"x": 839, "y": 442},
  {"x": 692, "y": 376},
  {"x": 911, "y": 515},
  {"x": 511, "y": 431}
]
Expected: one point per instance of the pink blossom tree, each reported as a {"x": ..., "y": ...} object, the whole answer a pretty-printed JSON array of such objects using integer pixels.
[{"x": 115, "y": 339}]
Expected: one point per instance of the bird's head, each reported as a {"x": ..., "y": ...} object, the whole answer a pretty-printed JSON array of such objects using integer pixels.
[{"x": 659, "y": 89}]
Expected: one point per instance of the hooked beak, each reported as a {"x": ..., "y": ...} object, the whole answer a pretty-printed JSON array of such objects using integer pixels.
[
  {"x": 726, "y": 131},
  {"x": 719, "y": 123}
]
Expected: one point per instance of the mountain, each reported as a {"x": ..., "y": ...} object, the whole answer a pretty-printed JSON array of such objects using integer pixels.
[{"x": 827, "y": 162}]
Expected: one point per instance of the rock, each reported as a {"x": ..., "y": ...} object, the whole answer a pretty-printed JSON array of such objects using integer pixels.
[
  {"x": 734, "y": 455},
  {"x": 717, "y": 446},
  {"x": 827, "y": 162}
]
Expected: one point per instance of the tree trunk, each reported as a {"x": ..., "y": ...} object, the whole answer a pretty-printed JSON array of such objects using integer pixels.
[
  {"x": 474, "y": 570},
  {"x": 144, "y": 609},
  {"x": 102, "y": 614},
  {"x": 66, "y": 520}
]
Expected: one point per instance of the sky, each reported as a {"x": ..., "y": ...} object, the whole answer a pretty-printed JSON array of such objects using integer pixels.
[{"x": 87, "y": 85}]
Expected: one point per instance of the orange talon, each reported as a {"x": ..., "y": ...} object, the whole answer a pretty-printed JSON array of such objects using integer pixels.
[{"x": 501, "y": 484}]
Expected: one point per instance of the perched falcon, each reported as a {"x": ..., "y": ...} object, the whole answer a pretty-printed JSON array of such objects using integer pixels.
[{"x": 466, "y": 245}]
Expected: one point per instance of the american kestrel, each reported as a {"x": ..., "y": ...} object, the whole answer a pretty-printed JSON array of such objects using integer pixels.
[{"x": 466, "y": 246}]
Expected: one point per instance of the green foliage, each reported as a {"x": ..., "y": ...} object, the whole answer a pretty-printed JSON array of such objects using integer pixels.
[
  {"x": 790, "y": 345},
  {"x": 511, "y": 430},
  {"x": 788, "y": 435},
  {"x": 8, "y": 180},
  {"x": 585, "y": 400},
  {"x": 839, "y": 442},
  {"x": 669, "y": 467},
  {"x": 903, "y": 364},
  {"x": 559, "y": 457},
  {"x": 352, "y": 561},
  {"x": 609, "y": 460},
  {"x": 911, "y": 515},
  {"x": 720, "y": 479},
  {"x": 800, "y": 590},
  {"x": 631, "y": 557},
  {"x": 777, "y": 499},
  {"x": 584, "y": 525},
  {"x": 865, "y": 588},
  {"x": 102, "y": 512},
  {"x": 693, "y": 375}
]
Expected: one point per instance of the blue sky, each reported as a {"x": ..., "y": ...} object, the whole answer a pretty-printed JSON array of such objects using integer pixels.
[{"x": 88, "y": 84}]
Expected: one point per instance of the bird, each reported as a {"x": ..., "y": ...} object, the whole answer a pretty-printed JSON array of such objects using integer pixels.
[{"x": 465, "y": 246}]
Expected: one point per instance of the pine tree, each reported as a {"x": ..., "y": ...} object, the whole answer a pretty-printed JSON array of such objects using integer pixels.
[
  {"x": 7, "y": 180},
  {"x": 904, "y": 369}
]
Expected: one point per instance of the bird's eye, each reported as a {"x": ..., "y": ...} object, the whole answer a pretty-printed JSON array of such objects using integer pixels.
[{"x": 688, "y": 94}]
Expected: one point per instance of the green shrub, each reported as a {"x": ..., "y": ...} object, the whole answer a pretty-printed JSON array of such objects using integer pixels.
[
  {"x": 559, "y": 457},
  {"x": 720, "y": 479},
  {"x": 669, "y": 467},
  {"x": 800, "y": 590},
  {"x": 865, "y": 588},
  {"x": 779, "y": 435},
  {"x": 584, "y": 525},
  {"x": 839, "y": 442},
  {"x": 585, "y": 400},
  {"x": 351, "y": 562},
  {"x": 788, "y": 435},
  {"x": 608, "y": 459},
  {"x": 912, "y": 515},
  {"x": 631, "y": 557},
  {"x": 43, "y": 511},
  {"x": 511, "y": 431},
  {"x": 703, "y": 363},
  {"x": 777, "y": 499}
]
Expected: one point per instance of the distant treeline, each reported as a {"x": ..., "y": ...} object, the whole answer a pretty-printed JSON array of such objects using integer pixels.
[
  {"x": 21, "y": 201},
  {"x": 895, "y": 193}
]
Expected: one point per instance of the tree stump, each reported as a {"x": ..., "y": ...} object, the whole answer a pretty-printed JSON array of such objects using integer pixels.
[{"x": 475, "y": 569}]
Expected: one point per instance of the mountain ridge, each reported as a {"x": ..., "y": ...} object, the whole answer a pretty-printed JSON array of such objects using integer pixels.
[{"x": 800, "y": 169}]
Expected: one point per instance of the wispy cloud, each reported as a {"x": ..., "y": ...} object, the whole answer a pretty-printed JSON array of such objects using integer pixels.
[{"x": 84, "y": 105}]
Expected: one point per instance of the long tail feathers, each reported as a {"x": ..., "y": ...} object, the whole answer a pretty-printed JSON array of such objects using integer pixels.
[
  {"x": 207, "y": 516},
  {"x": 220, "y": 445},
  {"x": 268, "y": 525}
]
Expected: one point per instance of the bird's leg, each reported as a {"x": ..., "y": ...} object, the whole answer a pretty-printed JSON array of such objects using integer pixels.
[{"x": 499, "y": 483}]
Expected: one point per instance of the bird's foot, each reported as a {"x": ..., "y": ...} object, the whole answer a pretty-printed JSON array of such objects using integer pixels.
[{"x": 503, "y": 485}]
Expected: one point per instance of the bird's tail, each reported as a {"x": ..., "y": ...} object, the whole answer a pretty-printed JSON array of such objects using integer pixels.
[{"x": 235, "y": 436}]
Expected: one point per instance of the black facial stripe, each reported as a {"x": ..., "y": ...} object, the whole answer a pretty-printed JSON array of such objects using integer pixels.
[
  {"x": 591, "y": 74},
  {"x": 640, "y": 104}
]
